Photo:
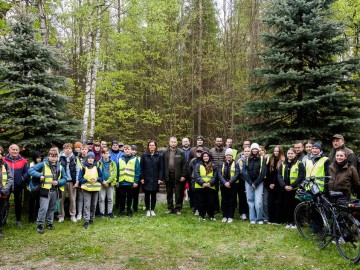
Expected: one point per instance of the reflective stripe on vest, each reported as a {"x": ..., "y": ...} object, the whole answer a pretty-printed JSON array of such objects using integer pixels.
[
  {"x": 127, "y": 170},
  {"x": 204, "y": 176},
  {"x": 235, "y": 152},
  {"x": 4, "y": 175},
  {"x": 294, "y": 172},
  {"x": 316, "y": 170},
  {"x": 47, "y": 184},
  {"x": 78, "y": 162},
  {"x": 91, "y": 173},
  {"x": 232, "y": 170}
]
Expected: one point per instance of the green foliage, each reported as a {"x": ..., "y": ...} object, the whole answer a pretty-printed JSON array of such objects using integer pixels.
[
  {"x": 309, "y": 85},
  {"x": 33, "y": 113}
]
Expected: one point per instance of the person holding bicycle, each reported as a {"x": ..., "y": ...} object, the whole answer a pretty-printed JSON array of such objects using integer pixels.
[
  {"x": 290, "y": 175},
  {"x": 344, "y": 176},
  {"x": 6, "y": 181}
]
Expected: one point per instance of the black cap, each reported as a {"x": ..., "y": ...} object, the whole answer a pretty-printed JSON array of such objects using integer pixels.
[{"x": 200, "y": 137}]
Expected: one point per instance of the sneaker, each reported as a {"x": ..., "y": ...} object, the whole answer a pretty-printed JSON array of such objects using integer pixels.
[
  {"x": 266, "y": 221},
  {"x": 91, "y": 221},
  {"x": 40, "y": 229},
  {"x": 202, "y": 219},
  {"x": 152, "y": 212},
  {"x": 1, "y": 234},
  {"x": 224, "y": 220},
  {"x": 213, "y": 219},
  {"x": 86, "y": 225},
  {"x": 341, "y": 240},
  {"x": 50, "y": 227},
  {"x": 129, "y": 214},
  {"x": 178, "y": 213},
  {"x": 78, "y": 217},
  {"x": 260, "y": 222},
  {"x": 18, "y": 224},
  {"x": 61, "y": 219},
  {"x": 293, "y": 226},
  {"x": 170, "y": 212},
  {"x": 243, "y": 217},
  {"x": 253, "y": 222},
  {"x": 230, "y": 220},
  {"x": 111, "y": 215},
  {"x": 148, "y": 214},
  {"x": 100, "y": 215},
  {"x": 196, "y": 213},
  {"x": 73, "y": 219},
  {"x": 288, "y": 226}
]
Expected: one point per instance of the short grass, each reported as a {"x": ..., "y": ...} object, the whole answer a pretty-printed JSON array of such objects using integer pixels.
[{"x": 163, "y": 242}]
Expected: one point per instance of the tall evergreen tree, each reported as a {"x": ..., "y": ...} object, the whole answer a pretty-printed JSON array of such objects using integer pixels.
[
  {"x": 304, "y": 89},
  {"x": 32, "y": 110}
]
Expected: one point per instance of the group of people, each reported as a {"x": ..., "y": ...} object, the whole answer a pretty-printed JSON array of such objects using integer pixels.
[{"x": 261, "y": 186}]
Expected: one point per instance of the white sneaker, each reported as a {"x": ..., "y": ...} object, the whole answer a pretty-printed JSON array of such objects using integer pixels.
[
  {"x": 224, "y": 220},
  {"x": 260, "y": 222},
  {"x": 243, "y": 217},
  {"x": 196, "y": 213},
  {"x": 73, "y": 219},
  {"x": 61, "y": 219},
  {"x": 253, "y": 222},
  {"x": 152, "y": 213},
  {"x": 148, "y": 213},
  {"x": 293, "y": 226},
  {"x": 78, "y": 217},
  {"x": 230, "y": 220},
  {"x": 213, "y": 219},
  {"x": 288, "y": 226}
]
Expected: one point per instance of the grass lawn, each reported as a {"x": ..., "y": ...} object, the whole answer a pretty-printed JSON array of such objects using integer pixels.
[{"x": 163, "y": 242}]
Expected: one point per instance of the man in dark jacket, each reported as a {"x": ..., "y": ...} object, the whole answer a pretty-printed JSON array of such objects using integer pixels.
[
  {"x": 19, "y": 168},
  {"x": 338, "y": 142},
  {"x": 174, "y": 175}
]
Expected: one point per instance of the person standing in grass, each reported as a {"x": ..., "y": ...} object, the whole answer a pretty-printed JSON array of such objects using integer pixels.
[
  {"x": 34, "y": 196},
  {"x": 136, "y": 190},
  {"x": 205, "y": 181},
  {"x": 128, "y": 178},
  {"x": 192, "y": 165},
  {"x": 254, "y": 172},
  {"x": 151, "y": 176},
  {"x": 228, "y": 174},
  {"x": 290, "y": 175},
  {"x": 108, "y": 170},
  {"x": 52, "y": 179},
  {"x": 80, "y": 159},
  {"x": 90, "y": 178},
  {"x": 6, "y": 181}
]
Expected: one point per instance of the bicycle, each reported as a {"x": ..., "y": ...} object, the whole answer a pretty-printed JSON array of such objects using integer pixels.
[{"x": 323, "y": 220}]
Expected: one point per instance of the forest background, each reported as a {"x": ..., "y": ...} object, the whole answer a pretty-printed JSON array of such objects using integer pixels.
[{"x": 147, "y": 69}]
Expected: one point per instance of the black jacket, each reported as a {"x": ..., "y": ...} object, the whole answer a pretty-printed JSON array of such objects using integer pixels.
[
  {"x": 225, "y": 177},
  {"x": 180, "y": 164},
  {"x": 285, "y": 181},
  {"x": 72, "y": 166},
  {"x": 151, "y": 171}
]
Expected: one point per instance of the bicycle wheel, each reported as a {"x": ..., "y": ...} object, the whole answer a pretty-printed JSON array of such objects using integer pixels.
[
  {"x": 348, "y": 236},
  {"x": 309, "y": 221}
]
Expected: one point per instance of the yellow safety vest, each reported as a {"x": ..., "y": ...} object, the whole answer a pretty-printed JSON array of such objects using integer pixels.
[
  {"x": 91, "y": 173},
  {"x": 204, "y": 176},
  {"x": 112, "y": 172},
  {"x": 232, "y": 170},
  {"x": 316, "y": 170},
  {"x": 234, "y": 153},
  {"x": 78, "y": 162},
  {"x": 47, "y": 184},
  {"x": 294, "y": 171},
  {"x": 4, "y": 175},
  {"x": 127, "y": 170}
]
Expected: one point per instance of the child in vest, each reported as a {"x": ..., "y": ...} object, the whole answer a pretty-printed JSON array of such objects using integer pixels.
[
  {"x": 6, "y": 181},
  {"x": 80, "y": 159},
  {"x": 128, "y": 178},
  {"x": 109, "y": 171},
  {"x": 90, "y": 179},
  {"x": 52, "y": 177}
]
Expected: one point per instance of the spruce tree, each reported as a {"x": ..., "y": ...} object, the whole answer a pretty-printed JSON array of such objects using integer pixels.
[
  {"x": 33, "y": 113},
  {"x": 304, "y": 89}
]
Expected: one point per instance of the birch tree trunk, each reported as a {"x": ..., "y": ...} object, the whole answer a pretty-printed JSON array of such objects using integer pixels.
[
  {"x": 200, "y": 65},
  {"x": 43, "y": 24}
]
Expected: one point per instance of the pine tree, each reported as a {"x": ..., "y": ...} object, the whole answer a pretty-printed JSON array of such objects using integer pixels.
[
  {"x": 305, "y": 88},
  {"x": 33, "y": 113}
]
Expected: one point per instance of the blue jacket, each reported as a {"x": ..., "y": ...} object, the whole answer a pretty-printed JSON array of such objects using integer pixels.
[
  {"x": 19, "y": 168},
  {"x": 37, "y": 171},
  {"x": 115, "y": 156}
]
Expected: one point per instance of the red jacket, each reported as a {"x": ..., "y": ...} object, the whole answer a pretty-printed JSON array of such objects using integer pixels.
[{"x": 19, "y": 168}]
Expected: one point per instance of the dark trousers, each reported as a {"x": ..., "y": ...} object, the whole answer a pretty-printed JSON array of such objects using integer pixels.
[
  {"x": 243, "y": 205},
  {"x": 207, "y": 201},
  {"x": 228, "y": 201},
  {"x": 18, "y": 193},
  {"x": 178, "y": 186},
  {"x": 117, "y": 197},
  {"x": 150, "y": 196},
  {"x": 194, "y": 196},
  {"x": 34, "y": 204},
  {"x": 135, "y": 196},
  {"x": 288, "y": 203},
  {"x": 125, "y": 196},
  {"x": 2, "y": 210},
  {"x": 274, "y": 205}
]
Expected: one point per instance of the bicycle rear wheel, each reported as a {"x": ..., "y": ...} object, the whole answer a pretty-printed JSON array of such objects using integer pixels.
[
  {"x": 309, "y": 221},
  {"x": 348, "y": 236}
]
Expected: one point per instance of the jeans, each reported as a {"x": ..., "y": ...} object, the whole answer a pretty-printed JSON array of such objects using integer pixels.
[
  {"x": 109, "y": 193},
  {"x": 255, "y": 201}
]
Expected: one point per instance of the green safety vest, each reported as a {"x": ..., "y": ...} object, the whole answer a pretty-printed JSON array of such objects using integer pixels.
[
  {"x": 316, "y": 170},
  {"x": 112, "y": 177},
  {"x": 235, "y": 153},
  {"x": 294, "y": 171},
  {"x": 232, "y": 170},
  {"x": 91, "y": 173},
  {"x": 47, "y": 184},
  {"x": 127, "y": 170},
  {"x": 4, "y": 175},
  {"x": 79, "y": 164},
  {"x": 204, "y": 176}
]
